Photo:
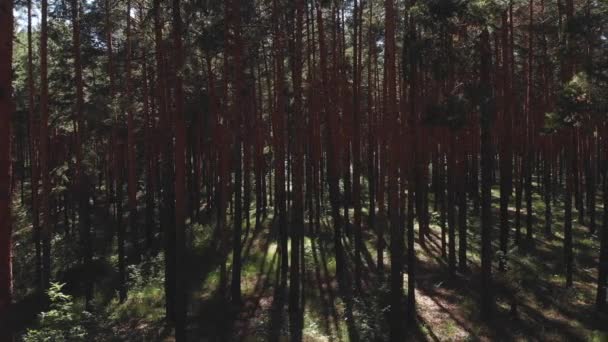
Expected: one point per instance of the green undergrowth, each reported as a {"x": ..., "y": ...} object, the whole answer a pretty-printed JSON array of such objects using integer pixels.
[{"x": 533, "y": 283}]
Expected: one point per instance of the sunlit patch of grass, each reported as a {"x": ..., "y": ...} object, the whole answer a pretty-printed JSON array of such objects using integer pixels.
[
  {"x": 146, "y": 296},
  {"x": 331, "y": 265},
  {"x": 141, "y": 304},
  {"x": 113, "y": 259},
  {"x": 210, "y": 283},
  {"x": 597, "y": 336},
  {"x": 252, "y": 215},
  {"x": 257, "y": 257},
  {"x": 340, "y": 308},
  {"x": 201, "y": 235},
  {"x": 425, "y": 331},
  {"x": 312, "y": 330},
  {"x": 450, "y": 329},
  {"x": 252, "y": 271},
  {"x": 557, "y": 279}
]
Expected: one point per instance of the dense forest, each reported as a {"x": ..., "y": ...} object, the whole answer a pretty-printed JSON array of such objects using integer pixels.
[{"x": 303, "y": 170}]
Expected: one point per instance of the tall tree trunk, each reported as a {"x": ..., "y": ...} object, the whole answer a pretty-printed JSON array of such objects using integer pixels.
[
  {"x": 131, "y": 161},
  {"x": 278, "y": 128},
  {"x": 80, "y": 186},
  {"x": 571, "y": 159},
  {"x": 297, "y": 222},
  {"x": 180, "y": 176},
  {"x": 396, "y": 229},
  {"x": 590, "y": 182},
  {"x": 149, "y": 156},
  {"x": 487, "y": 300},
  {"x": 356, "y": 146},
  {"x": 411, "y": 258},
  {"x": 258, "y": 153},
  {"x": 34, "y": 138},
  {"x": 44, "y": 149},
  {"x": 505, "y": 148},
  {"x": 413, "y": 191},
  {"x": 234, "y": 18},
  {"x": 6, "y": 110},
  {"x": 166, "y": 146},
  {"x": 462, "y": 213},
  {"x": 120, "y": 228},
  {"x": 568, "y": 258},
  {"x": 530, "y": 120},
  {"x": 442, "y": 198},
  {"x": 451, "y": 204},
  {"x": 116, "y": 160},
  {"x": 518, "y": 197},
  {"x": 601, "y": 301},
  {"x": 547, "y": 193},
  {"x": 528, "y": 180}
]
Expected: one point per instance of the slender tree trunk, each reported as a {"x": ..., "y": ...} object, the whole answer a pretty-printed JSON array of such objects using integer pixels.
[
  {"x": 571, "y": 168},
  {"x": 131, "y": 161},
  {"x": 413, "y": 191},
  {"x": 278, "y": 128},
  {"x": 356, "y": 147},
  {"x": 120, "y": 228},
  {"x": 451, "y": 208},
  {"x": 528, "y": 180},
  {"x": 487, "y": 300},
  {"x": 396, "y": 242},
  {"x": 80, "y": 186},
  {"x": 518, "y": 197},
  {"x": 578, "y": 178},
  {"x": 166, "y": 147},
  {"x": 601, "y": 301},
  {"x": 547, "y": 193},
  {"x": 295, "y": 308},
  {"x": 442, "y": 201},
  {"x": 462, "y": 214},
  {"x": 6, "y": 110},
  {"x": 34, "y": 138},
  {"x": 44, "y": 149},
  {"x": 116, "y": 190},
  {"x": 371, "y": 121},
  {"x": 411, "y": 259},
  {"x": 591, "y": 184},
  {"x": 180, "y": 176},
  {"x": 259, "y": 154},
  {"x": 234, "y": 18},
  {"x": 505, "y": 148},
  {"x": 568, "y": 256},
  {"x": 149, "y": 157}
]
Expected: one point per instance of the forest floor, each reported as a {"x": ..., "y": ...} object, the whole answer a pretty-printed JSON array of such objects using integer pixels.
[{"x": 447, "y": 304}]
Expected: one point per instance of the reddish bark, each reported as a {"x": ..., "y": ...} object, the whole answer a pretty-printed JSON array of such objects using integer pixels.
[
  {"x": 180, "y": 175},
  {"x": 356, "y": 142},
  {"x": 6, "y": 109},
  {"x": 44, "y": 149},
  {"x": 131, "y": 162},
  {"x": 34, "y": 138},
  {"x": 278, "y": 132},
  {"x": 487, "y": 298},
  {"x": 396, "y": 229},
  {"x": 297, "y": 222},
  {"x": 80, "y": 185},
  {"x": 332, "y": 136}
]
